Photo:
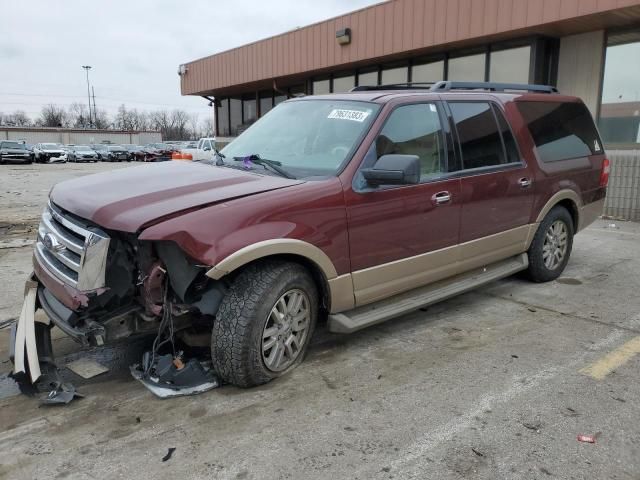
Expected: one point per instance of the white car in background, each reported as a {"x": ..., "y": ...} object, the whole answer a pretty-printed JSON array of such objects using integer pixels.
[
  {"x": 203, "y": 151},
  {"x": 49, "y": 153}
]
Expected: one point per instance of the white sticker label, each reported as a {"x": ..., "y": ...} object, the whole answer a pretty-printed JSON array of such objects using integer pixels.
[
  {"x": 596, "y": 145},
  {"x": 355, "y": 115},
  {"x": 433, "y": 108}
]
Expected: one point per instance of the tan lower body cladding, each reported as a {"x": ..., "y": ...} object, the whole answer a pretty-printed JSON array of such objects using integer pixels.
[{"x": 382, "y": 281}]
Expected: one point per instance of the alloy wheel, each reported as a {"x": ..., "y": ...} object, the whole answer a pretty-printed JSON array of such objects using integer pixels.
[
  {"x": 286, "y": 329},
  {"x": 555, "y": 244}
]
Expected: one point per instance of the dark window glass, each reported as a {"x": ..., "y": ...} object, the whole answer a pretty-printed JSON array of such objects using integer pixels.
[
  {"x": 368, "y": 78},
  {"x": 279, "y": 99},
  {"x": 223, "y": 118},
  {"x": 249, "y": 110},
  {"x": 395, "y": 75},
  {"x": 510, "y": 146},
  {"x": 478, "y": 134},
  {"x": 510, "y": 66},
  {"x": 266, "y": 102},
  {"x": 620, "y": 110},
  {"x": 428, "y": 72},
  {"x": 415, "y": 130},
  {"x": 560, "y": 130},
  {"x": 467, "y": 69},
  {"x": 236, "y": 115},
  {"x": 321, "y": 86},
  {"x": 343, "y": 84}
]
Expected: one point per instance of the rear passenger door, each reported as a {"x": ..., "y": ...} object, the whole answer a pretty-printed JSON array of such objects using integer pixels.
[{"x": 496, "y": 184}]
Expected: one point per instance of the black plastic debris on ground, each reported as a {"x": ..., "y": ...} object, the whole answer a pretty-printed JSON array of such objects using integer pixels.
[
  {"x": 168, "y": 376},
  {"x": 169, "y": 453}
]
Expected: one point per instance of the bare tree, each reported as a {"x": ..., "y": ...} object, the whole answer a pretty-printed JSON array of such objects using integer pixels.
[
  {"x": 139, "y": 120},
  {"x": 53, "y": 116},
  {"x": 102, "y": 120},
  {"x": 179, "y": 120},
  {"x": 20, "y": 118},
  {"x": 206, "y": 128},
  {"x": 194, "y": 126},
  {"x": 17, "y": 119},
  {"x": 78, "y": 115}
]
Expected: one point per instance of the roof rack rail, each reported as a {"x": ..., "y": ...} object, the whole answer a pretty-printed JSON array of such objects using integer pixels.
[
  {"x": 395, "y": 86},
  {"x": 493, "y": 87}
]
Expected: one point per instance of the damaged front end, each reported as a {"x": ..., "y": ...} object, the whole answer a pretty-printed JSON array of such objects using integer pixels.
[{"x": 102, "y": 286}]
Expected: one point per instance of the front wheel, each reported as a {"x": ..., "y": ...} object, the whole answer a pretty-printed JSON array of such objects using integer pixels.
[
  {"x": 264, "y": 323},
  {"x": 551, "y": 246}
]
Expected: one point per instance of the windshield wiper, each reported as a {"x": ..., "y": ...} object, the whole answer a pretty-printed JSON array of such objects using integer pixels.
[{"x": 272, "y": 164}]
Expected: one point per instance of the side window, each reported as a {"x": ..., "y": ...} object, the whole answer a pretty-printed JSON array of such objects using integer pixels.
[
  {"x": 561, "y": 130},
  {"x": 415, "y": 130},
  {"x": 478, "y": 134},
  {"x": 510, "y": 146}
]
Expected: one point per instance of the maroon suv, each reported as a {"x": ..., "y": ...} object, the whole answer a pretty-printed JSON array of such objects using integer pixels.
[{"x": 355, "y": 207}]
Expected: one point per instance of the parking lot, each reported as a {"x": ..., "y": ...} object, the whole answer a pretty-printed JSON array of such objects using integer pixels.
[{"x": 494, "y": 384}]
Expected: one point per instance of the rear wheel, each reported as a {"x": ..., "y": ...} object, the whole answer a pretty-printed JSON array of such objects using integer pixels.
[
  {"x": 264, "y": 323},
  {"x": 551, "y": 246}
]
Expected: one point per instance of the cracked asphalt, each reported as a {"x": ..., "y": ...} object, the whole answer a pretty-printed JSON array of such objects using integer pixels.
[{"x": 494, "y": 384}]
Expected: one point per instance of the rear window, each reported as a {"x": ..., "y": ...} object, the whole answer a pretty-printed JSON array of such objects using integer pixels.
[{"x": 561, "y": 130}]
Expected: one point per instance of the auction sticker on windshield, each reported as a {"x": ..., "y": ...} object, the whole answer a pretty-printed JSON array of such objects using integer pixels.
[{"x": 354, "y": 115}]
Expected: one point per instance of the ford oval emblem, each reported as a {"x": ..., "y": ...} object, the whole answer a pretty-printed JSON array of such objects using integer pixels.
[{"x": 51, "y": 242}]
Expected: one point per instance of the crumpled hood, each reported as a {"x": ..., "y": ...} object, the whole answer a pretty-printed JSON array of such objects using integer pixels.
[
  {"x": 52, "y": 150},
  {"x": 132, "y": 198}
]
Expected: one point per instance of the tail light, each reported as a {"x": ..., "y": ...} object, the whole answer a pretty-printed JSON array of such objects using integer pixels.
[{"x": 604, "y": 174}]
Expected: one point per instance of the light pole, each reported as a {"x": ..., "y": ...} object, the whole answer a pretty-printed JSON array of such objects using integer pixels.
[{"x": 87, "y": 68}]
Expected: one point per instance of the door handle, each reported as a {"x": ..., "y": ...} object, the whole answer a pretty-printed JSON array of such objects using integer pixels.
[
  {"x": 524, "y": 182},
  {"x": 441, "y": 198}
]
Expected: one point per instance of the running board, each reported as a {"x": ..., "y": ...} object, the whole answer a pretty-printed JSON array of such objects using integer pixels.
[{"x": 398, "y": 305}]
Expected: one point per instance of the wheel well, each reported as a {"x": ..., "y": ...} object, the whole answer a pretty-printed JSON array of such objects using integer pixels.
[
  {"x": 573, "y": 211},
  {"x": 316, "y": 273}
]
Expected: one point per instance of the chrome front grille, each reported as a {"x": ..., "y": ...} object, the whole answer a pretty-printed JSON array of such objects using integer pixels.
[{"x": 74, "y": 253}]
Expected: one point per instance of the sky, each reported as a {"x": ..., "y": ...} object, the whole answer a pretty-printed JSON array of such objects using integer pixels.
[{"x": 134, "y": 47}]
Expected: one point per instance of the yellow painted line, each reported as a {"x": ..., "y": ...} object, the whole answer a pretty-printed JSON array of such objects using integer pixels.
[{"x": 613, "y": 360}]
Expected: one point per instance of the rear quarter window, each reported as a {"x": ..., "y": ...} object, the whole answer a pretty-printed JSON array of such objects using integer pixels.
[{"x": 561, "y": 131}]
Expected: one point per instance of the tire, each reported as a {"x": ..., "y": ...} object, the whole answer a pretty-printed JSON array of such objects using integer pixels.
[
  {"x": 559, "y": 225},
  {"x": 239, "y": 353}
]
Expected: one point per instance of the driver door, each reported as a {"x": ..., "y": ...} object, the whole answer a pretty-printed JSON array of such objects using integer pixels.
[{"x": 403, "y": 237}]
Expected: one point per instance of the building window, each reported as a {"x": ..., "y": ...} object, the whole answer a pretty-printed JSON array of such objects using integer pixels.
[
  {"x": 235, "y": 115},
  {"x": 321, "y": 87},
  {"x": 619, "y": 121},
  {"x": 428, "y": 72},
  {"x": 368, "y": 79},
  {"x": 343, "y": 84},
  {"x": 392, "y": 76},
  {"x": 467, "y": 69},
  {"x": 222, "y": 114},
  {"x": 249, "y": 112},
  {"x": 510, "y": 66},
  {"x": 266, "y": 102},
  {"x": 279, "y": 99}
]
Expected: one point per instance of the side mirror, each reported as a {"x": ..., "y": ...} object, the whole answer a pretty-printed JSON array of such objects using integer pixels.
[
  {"x": 206, "y": 149},
  {"x": 394, "y": 170}
]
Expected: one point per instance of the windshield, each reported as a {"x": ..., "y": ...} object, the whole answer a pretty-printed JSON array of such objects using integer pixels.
[
  {"x": 51, "y": 145},
  {"x": 115, "y": 148},
  {"x": 308, "y": 137},
  {"x": 82, "y": 148},
  {"x": 18, "y": 145}
]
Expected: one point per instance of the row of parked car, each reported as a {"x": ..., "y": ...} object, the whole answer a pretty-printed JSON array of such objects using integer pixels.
[{"x": 22, "y": 152}]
